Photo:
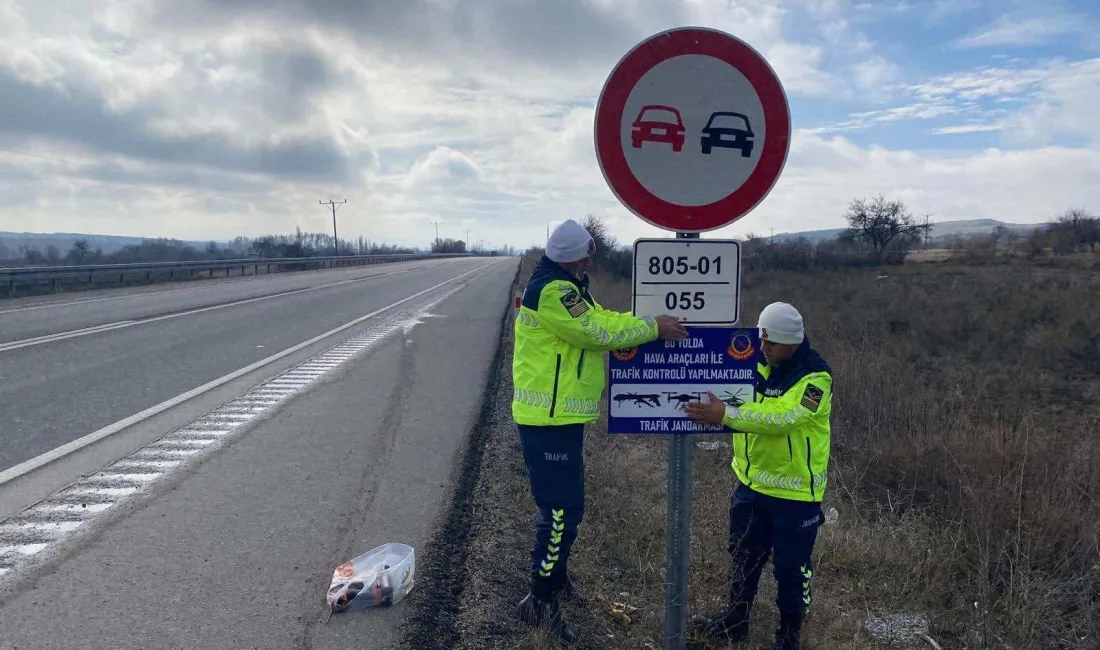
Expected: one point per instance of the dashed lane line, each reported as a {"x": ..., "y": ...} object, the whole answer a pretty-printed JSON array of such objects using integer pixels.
[
  {"x": 203, "y": 287},
  {"x": 109, "y": 327}
]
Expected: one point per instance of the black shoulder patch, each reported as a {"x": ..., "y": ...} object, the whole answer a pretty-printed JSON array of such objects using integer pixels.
[
  {"x": 811, "y": 397},
  {"x": 574, "y": 304}
]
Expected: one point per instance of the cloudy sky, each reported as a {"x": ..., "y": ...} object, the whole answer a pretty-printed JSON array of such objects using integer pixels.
[{"x": 204, "y": 119}]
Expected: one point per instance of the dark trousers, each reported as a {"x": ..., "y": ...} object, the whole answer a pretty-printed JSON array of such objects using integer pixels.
[
  {"x": 555, "y": 466},
  {"x": 760, "y": 526}
]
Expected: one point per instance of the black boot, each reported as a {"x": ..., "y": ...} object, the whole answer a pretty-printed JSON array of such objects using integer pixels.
[
  {"x": 546, "y": 614},
  {"x": 731, "y": 626},
  {"x": 570, "y": 592},
  {"x": 789, "y": 631}
]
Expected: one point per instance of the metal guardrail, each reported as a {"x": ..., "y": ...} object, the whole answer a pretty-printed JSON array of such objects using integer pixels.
[{"x": 15, "y": 277}]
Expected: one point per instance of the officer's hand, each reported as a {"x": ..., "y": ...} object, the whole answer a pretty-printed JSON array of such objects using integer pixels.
[
  {"x": 670, "y": 329},
  {"x": 711, "y": 413}
]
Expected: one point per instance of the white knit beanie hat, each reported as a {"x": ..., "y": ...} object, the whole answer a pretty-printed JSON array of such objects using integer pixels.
[
  {"x": 781, "y": 323},
  {"x": 569, "y": 242}
]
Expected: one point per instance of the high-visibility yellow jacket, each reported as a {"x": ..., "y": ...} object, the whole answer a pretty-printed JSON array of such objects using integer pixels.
[
  {"x": 561, "y": 334},
  {"x": 781, "y": 440}
]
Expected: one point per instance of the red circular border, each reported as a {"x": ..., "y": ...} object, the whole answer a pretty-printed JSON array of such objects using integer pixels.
[{"x": 609, "y": 116}]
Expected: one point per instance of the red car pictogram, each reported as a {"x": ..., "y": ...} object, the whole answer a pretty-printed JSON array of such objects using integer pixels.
[{"x": 658, "y": 123}]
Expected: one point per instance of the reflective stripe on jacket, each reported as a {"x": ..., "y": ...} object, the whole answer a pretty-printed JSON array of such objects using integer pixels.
[
  {"x": 781, "y": 441},
  {"x": 561, "y": 333}
]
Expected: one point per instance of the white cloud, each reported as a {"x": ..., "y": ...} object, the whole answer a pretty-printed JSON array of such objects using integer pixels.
[
  {"x": 1029, "y": 105},
  {"x": 1020, "y": 186},
  {"x": 925, "y": 12},
  {"x": 1018, "y": 30},
  {"x": 874, "y": 77},
  {"x": 968, "y": 128},
  {"x": 443, "y": 167},
  {"x": 1066, "y": 104}
]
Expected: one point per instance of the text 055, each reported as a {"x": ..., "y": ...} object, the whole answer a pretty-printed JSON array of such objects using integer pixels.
[{"x": 685, "y": 300}]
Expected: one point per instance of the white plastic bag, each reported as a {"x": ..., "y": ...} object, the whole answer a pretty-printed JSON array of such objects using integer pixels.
[{"x": 378, "y": 578}]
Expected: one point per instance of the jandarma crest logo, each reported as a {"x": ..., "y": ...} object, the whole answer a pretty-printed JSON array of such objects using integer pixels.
[
  {"x": 626, "y": 354},
  {"x": 740, "y": 347}
]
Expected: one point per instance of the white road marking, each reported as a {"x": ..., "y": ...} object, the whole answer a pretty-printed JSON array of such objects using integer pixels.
[
  {"x": 161, "y": 452},
  {"x": 107, "y": 477},
  {"x": 71, "y": 508},
  {"x": 146, "y": 464},
  {"x": 49, "y": 338},
  {"x": 83, "y": 301},
  {"x": 24, "y": 549},
  {"x": 110, "y": 327},
  {"x": 54, "y": 527},
  {"x": 52, "y": 518},
  {"x": 101, "y": 492},
  {"x": 174, "y": 443}
]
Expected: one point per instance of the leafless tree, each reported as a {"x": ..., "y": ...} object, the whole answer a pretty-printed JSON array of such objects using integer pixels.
[{"x": 887, "y": 226}]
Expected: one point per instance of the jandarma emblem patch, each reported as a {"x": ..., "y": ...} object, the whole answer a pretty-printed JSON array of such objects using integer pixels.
[
  {"x": 574, "y": 304},
  {"x": 811, "y": 397},
  {"x": 626, "y": 354},
  {"x": 740, "y": 347}
]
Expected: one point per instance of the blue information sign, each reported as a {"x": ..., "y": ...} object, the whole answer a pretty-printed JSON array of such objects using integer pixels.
[{"x": 649, "y": 384}]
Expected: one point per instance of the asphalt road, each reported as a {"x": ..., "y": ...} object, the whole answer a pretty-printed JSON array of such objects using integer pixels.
[
  {"x": 238, "y": 551},
  {"x": 32, "y": 317},
  {"x": 55, "y": 392}
]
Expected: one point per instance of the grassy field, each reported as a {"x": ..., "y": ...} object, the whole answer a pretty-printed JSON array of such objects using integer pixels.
[{"x": 964, "y": 467}]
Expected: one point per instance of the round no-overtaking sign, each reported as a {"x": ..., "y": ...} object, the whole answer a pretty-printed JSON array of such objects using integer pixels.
[{"x": 692, "y": 129}]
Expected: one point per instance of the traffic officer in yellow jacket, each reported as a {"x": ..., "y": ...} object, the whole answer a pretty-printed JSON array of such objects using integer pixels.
[
  {"x": 561, "y": 333},
  {"x": 781, "y": 456}
]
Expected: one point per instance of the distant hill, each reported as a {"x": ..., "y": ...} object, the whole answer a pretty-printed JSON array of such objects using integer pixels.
[
  {"x": 13, "y": 241},
  {"x": 940, "y": 230}
]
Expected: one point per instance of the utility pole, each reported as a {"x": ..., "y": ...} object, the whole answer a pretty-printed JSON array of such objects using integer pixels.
[
  {"x": 335, "y": 239},
  {"x": 437, "y": 224}
]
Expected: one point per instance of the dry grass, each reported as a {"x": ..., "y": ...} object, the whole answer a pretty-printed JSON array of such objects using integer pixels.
[
  {"x": 930, "y": 255},
  {"x": 964, "y": 466}
]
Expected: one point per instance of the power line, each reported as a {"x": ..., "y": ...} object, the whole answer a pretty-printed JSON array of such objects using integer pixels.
[
  {"x": 437, "y": 224},
  {"x": 333, "y": 205}
]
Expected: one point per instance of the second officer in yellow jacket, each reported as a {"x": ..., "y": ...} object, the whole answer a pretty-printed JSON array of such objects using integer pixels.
[{"x": 780, "y": 456}]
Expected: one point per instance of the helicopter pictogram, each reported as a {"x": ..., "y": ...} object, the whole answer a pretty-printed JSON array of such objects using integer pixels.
[{"x": 734, "y": 399}]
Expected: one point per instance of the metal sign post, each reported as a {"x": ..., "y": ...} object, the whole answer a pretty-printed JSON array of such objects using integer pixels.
[
  {"x": 678, "y": 531},
  {"x": 692, "y": 130}
]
